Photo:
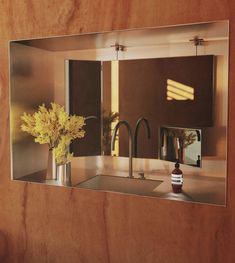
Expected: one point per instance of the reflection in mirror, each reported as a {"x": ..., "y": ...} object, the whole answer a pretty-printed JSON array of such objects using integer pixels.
[
  {"x": 109, "y": 119},
  {"x": 158, "y": 77},
  {"x": 180, "y": 145},
  {"x": 85, "y": 100},
  {"x": 137, "y": 127},
  {"x": 147, "y": 93},
  {"x": 176, "y": 91}
]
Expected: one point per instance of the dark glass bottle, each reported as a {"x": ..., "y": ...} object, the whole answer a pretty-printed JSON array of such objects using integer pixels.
[
  {"x": 177, "y": 179},
  {"x": 198, "y": 161}
]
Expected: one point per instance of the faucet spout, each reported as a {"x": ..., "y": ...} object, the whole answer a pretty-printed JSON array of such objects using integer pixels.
[
  {"x": 146, "y": 122},
  {"x": 91, "y": 118},
  {"x": 130, "y": 135}
]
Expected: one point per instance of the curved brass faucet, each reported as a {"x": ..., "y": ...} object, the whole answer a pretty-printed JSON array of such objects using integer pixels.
[
  {"x": 125, "y": 123},
  {"x": 140, "y": 120}
]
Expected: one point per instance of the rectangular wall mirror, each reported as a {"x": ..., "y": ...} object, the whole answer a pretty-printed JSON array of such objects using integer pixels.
[
  {"x": 177, "y": 91},
  {"x": 162, "y": 81}
]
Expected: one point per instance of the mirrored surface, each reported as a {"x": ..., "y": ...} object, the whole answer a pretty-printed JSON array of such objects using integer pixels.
[
  {"x": 156, "y": 79},
  {"x": 181, "y": 145},
  {"x": 146, "y": 93}
]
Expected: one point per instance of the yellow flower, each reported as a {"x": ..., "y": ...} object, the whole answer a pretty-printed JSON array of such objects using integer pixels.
[{"x": 54, "y": 127}]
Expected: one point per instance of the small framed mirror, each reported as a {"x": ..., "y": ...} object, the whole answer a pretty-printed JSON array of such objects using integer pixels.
[{"x": 181, "y": 145}]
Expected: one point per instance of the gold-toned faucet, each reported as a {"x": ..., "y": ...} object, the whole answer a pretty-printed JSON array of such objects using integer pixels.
[{"x": 125, "y": 123}]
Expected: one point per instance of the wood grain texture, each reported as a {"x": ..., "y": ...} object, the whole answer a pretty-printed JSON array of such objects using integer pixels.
[{"x": 40, "y": 223}]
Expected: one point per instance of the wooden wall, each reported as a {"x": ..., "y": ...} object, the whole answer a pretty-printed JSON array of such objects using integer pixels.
[{"x": 40, "y": 223}]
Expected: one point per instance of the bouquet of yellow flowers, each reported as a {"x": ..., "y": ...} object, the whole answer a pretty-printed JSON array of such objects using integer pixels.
[{"x": 54, "y": 127}]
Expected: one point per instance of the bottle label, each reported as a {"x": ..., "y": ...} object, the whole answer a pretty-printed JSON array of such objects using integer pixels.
[{"x": 177, "y": 179}]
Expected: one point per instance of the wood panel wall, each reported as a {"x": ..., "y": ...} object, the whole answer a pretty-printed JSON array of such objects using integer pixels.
[{"x": 40, "y": 223}]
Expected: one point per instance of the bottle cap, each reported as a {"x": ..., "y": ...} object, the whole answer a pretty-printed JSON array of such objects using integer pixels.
[{"x": 177, "y": 165}]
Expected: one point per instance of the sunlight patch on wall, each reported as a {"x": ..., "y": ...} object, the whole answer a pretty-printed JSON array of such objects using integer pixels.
[{"x": 179, "y": 91}]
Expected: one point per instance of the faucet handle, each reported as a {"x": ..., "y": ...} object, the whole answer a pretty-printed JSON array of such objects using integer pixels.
[{"x": 141, "y": 174}]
